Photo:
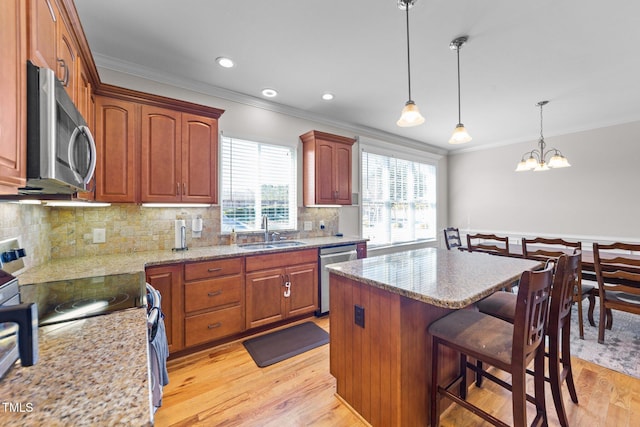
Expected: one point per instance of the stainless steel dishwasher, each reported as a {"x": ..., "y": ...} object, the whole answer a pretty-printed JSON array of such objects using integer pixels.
[{"x": 331, "y": 255}]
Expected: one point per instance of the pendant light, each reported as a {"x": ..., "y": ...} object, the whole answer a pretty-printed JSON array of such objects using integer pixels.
[
  {"x": 537, "y": 159},
  {"x": 410, "y": 114},
  {"x": 460, "y": 134}
]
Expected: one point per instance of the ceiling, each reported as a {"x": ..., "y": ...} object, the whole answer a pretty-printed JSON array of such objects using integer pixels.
[{"x": 581, "y": 56}]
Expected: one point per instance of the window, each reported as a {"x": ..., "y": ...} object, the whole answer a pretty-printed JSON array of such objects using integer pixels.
[
  {"x": 398, "y": 199},
  {"x": 257, "y": 179}
]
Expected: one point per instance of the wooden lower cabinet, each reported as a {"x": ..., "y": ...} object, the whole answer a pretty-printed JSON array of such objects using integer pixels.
[
  {"x": 207, "y": 301},
  {"x": 168, "y": 280},
  {"x": 267, "y": 276},
  {"x": 213, "y": 300}
]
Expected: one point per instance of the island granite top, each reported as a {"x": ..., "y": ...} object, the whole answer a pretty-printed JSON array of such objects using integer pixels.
[{"x": 450, "y": 279}]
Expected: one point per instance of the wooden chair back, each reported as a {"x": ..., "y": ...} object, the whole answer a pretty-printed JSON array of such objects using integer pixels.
[
  {"x": 617, "y": 267},
  {"x": 452, "y": 238},
  {"x": 541, "y": 248},
  {"x": 532, "y": 308},
  {"x": 565, "y": 279},
  {"x": 489, "y": 243}
]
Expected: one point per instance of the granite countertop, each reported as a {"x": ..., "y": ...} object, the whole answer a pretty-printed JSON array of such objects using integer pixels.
[
  {"x": 450, "y": 279},
  {"x": 130, "y": 263},
  {"x": 90, "y": 372}
]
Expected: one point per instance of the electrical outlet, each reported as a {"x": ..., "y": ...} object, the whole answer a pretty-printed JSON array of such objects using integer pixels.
[
  {"x": 308, "y": 225},
  {"x": 321, "y": 225},
  {"x": 358, "y": 315},
  {"x": 99, "y": 235}
]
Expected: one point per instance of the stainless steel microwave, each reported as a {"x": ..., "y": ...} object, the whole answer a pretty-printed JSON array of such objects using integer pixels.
[{"x": 61, "y": 152}]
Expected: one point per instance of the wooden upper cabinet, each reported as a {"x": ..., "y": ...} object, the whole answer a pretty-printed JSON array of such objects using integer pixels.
[
  {"x": 116, "y": 141},
  {"x": 43, "y": 34},
  {"x": 13, "y": 100},
  {"x": 161, "y": 175},
  {"x": 179, "y": 157},
  {"x": 199, "y": 159},
  {"x": 326, "y": 168},
  {"x": 67, "y": 60}
]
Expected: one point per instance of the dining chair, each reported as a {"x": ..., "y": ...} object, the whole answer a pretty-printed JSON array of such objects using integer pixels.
[
  {"x": 452, "y": 238},
  {"x": 489, "y": 243},
  {"x": 558, "y": 331},
  {"x": 542, "y": 249},
  {"x": 506, "y": 346},
  {"x": 617, "y": 268}
]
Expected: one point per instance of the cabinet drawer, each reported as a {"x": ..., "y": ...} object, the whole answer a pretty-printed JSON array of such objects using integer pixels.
[
  {"x": 212, "y": 293},
  {"x": 212, "y": 326},
  {"x": 281, "y": 259},
  {"x": 214, "y": 268}
]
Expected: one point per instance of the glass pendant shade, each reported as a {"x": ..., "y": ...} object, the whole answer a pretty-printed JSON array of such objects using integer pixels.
[
  {"x": 460, "y": 135},
  {"x": 410, "y": 116},
  {"x": 558, "y": 161},
  {"x": 541, "y": 167}
]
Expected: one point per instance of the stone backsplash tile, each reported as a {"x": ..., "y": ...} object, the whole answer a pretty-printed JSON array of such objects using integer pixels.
[
  {"x": 133, "y": 228},
  {"x": 30, "y": 224}
]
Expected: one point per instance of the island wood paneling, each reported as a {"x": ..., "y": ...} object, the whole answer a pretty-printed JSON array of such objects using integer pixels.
[{"x": 383, "y": 370}]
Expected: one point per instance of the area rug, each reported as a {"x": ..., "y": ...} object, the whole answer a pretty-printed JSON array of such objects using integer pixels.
[
  {"x": 621, "y": 349},
  {"x": 285, "y": 343}
]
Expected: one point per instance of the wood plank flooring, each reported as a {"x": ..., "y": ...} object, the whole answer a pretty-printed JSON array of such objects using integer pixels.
[{"x": 222, "y": 386}]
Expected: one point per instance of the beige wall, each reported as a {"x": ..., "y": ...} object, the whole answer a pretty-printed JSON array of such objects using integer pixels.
[{"x": 595, "y": 199}]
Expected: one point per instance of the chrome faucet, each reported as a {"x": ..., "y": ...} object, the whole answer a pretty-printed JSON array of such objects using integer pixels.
[{"x": 265, "y": 227}]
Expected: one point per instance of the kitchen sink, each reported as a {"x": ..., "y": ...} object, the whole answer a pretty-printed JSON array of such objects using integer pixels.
[{"x": 271, "y": 245}]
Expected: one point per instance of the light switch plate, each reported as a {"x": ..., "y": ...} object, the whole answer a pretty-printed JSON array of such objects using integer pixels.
[{"x": 99, "y": 235}]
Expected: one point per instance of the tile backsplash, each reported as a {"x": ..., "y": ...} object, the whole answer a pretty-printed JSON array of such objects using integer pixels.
[
  {"x": 29, "y": 223},
  {"x": 50, "y": 233},
  {"x": 133, "y": 228}
]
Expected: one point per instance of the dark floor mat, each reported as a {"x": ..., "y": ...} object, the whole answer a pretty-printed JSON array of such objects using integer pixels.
[{"x": 280, "y": 345}]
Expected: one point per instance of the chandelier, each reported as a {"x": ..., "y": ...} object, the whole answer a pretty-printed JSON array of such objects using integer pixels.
[{"x": 538, "y": 159}]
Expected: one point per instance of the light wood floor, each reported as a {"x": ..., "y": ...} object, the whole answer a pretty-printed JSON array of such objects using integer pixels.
[{"x": 222, "y": 386}]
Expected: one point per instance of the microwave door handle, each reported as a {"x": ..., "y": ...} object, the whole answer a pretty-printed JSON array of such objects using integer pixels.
[{"x": 92, "y": 148}]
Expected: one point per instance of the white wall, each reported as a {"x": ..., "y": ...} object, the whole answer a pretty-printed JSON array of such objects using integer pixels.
[{"x": 595, "y": 199}]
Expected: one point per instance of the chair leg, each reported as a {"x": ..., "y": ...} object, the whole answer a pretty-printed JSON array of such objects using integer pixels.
[
  {"x": 580, "y": 325},
  {"x": 519, "y": 397},
  {"x": 435, "y": 401},
  {"x": 609, "y": 318},
  {"x": 462, "y": 391},
  {"x": 555, "y": 376},
  {"x": 541, "y": 410},
  {"x": 566, "y": 364},
  {"x": 592, "y": 306},
  {"x": 601, "y": 324},
  {"x": 479, "y": 370}
]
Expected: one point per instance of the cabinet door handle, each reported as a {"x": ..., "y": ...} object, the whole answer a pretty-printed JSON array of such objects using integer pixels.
[
  {"x": 177, "y": 188},
  {"x": 214, "y": 294},
  {"x": 213, "y": 270},
  {"x": 184, "y": 188},
  {"x": 65, "y": 78},
  {"x": 215, "y": 325}
]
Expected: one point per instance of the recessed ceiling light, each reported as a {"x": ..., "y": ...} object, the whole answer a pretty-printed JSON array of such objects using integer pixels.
[
  {"x": 225, "y": 62},
  {"x": 327, "y": 96},
  {"x": 270, "y": 93}
]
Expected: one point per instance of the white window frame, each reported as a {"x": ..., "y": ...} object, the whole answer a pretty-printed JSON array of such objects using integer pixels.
[
  {"x": 410, "y": 156},
  {"x": 249, "y": 177}
]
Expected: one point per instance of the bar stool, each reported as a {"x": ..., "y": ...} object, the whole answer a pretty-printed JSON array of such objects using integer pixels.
[
  {"x": 503, "y": 306},
  {"x": 507, "y": 346}
]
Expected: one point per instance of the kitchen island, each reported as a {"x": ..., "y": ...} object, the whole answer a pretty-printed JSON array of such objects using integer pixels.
[
  {"x": 91, "y": 372},
  {"x": 380, "y": 308}
]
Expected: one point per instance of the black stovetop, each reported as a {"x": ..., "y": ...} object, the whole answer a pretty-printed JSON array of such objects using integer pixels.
[{"x": 66, "y": 300}]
